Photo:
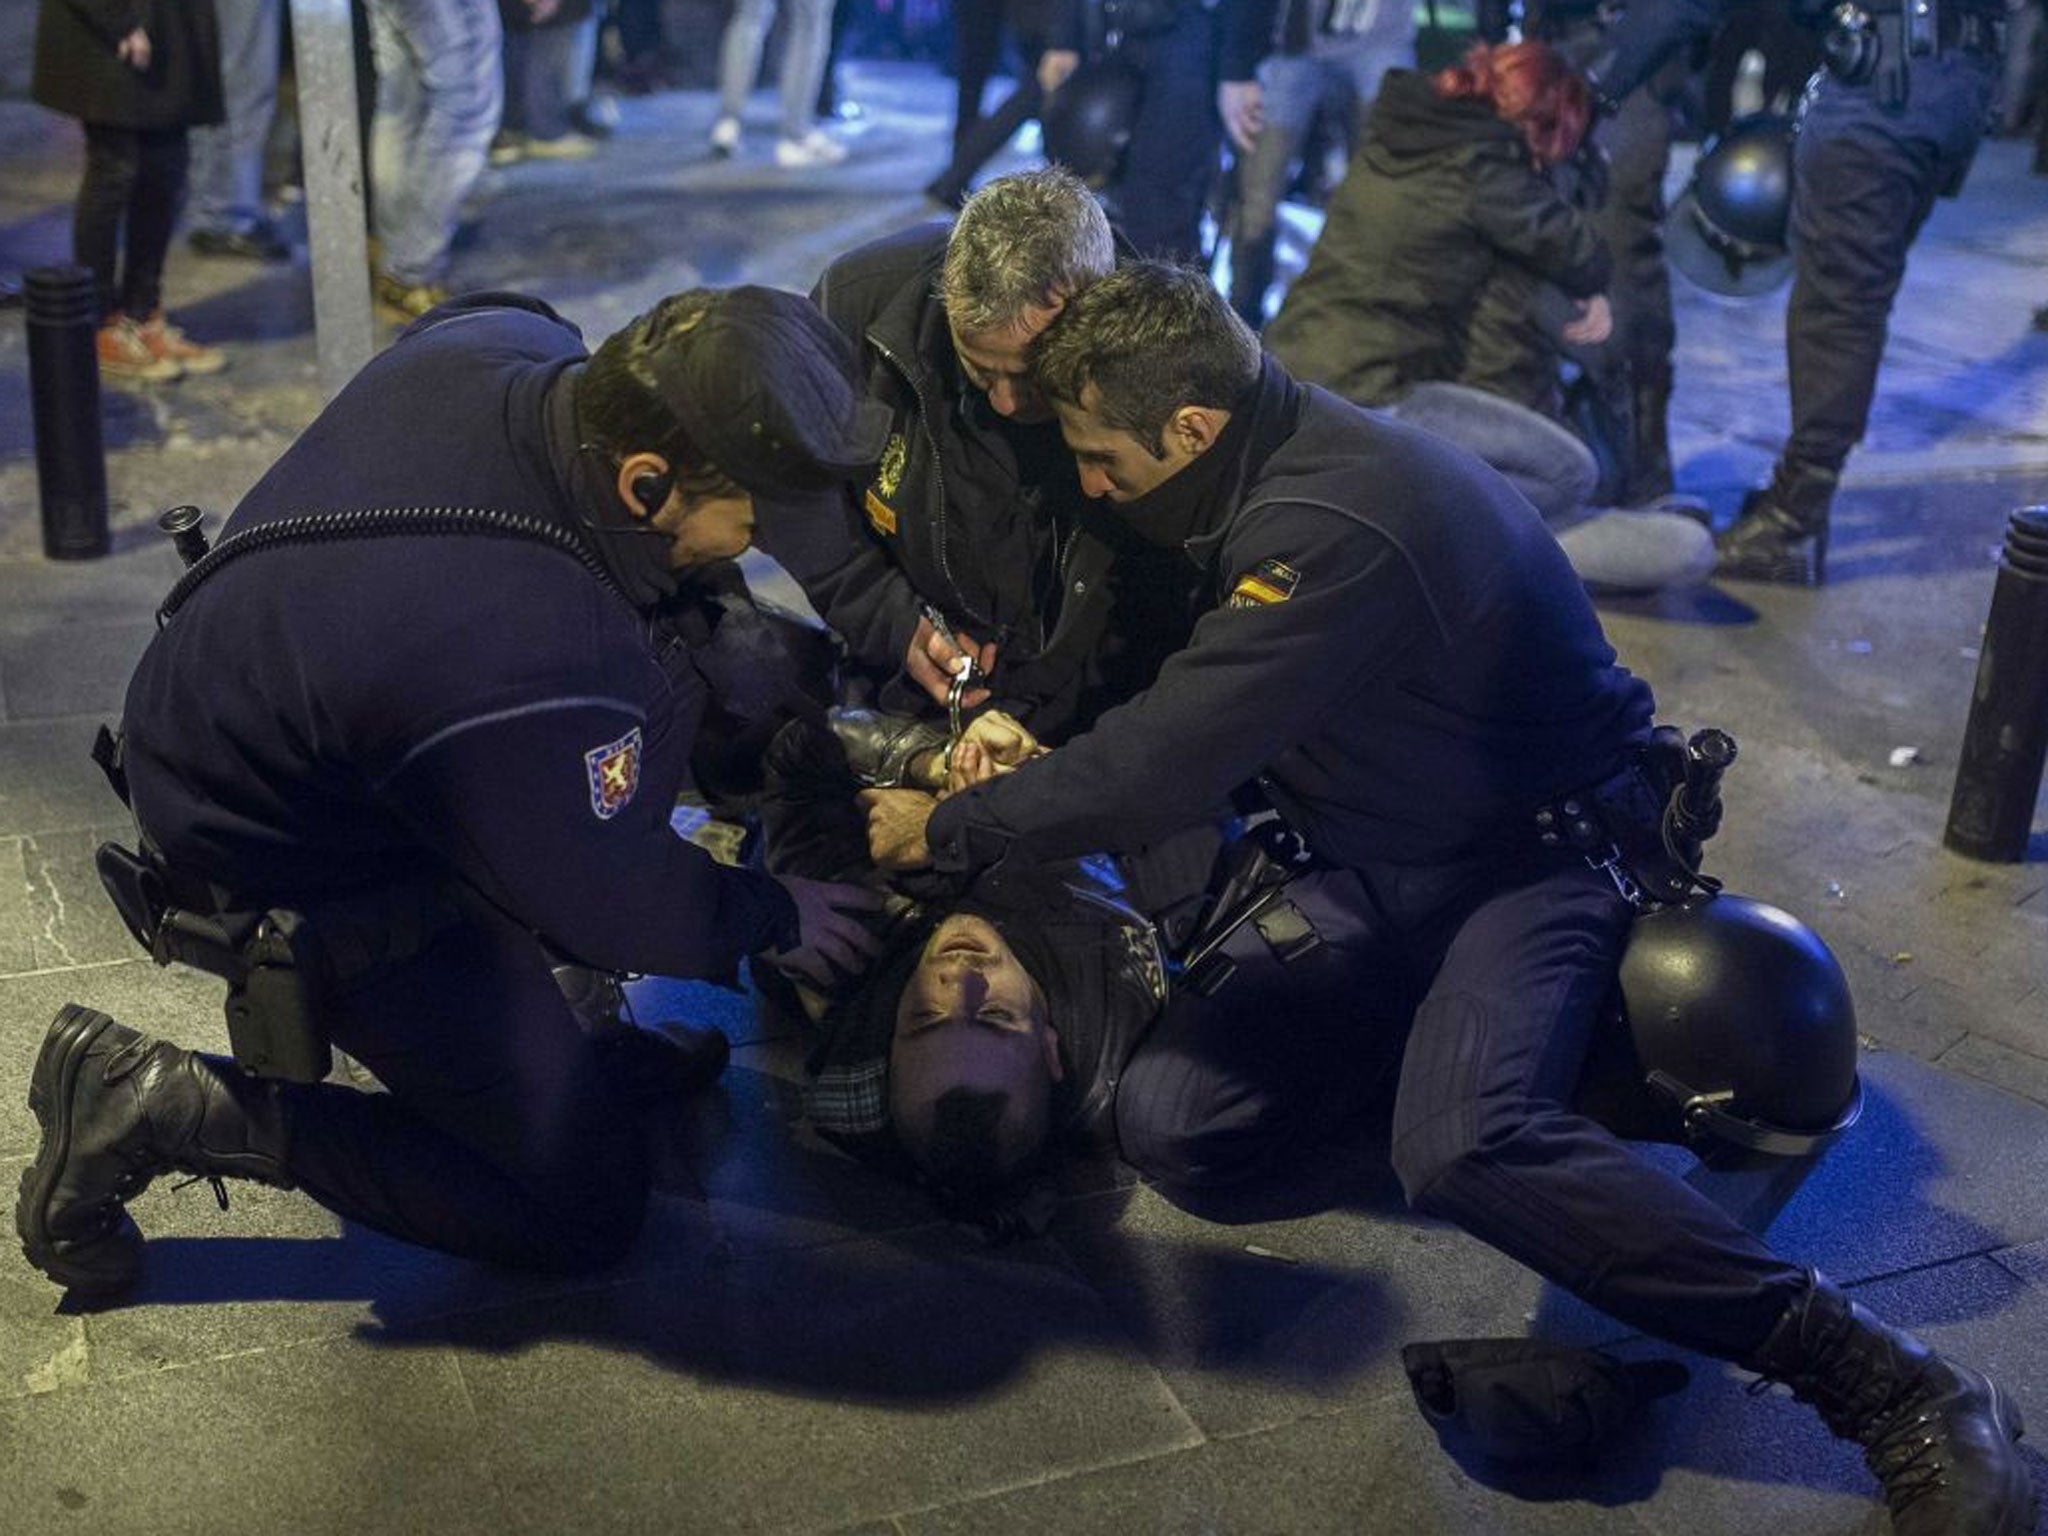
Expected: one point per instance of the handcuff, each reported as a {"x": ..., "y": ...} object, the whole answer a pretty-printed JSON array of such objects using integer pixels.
[{"x": 964, "y": 677}]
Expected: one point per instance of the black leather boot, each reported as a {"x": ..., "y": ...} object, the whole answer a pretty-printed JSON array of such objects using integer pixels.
[
  {"x": 1781, "y": 534},
  {"x": 1938, "y": 1435},
  {"x": 116, "y": 1109},
  {"x": 1649, "y": 469}
]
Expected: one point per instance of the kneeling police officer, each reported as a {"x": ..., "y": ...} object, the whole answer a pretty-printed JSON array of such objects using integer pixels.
[{"x": 415, "y": 715}]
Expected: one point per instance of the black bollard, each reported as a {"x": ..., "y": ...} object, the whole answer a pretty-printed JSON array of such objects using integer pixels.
[
  {"x": 2006, "y": 740},
  {"x": 64, "y": 391}
]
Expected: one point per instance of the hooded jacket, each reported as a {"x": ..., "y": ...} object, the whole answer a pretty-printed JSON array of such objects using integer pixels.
[{"x": 1430, "y": 261}]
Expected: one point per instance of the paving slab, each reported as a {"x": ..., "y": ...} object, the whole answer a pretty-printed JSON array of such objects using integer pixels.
[
  {"x": 302, "y": 1437},
  {"x": 801, "y": 1391}
]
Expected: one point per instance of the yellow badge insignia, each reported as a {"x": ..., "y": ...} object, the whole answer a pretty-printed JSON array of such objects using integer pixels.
[
  {"x": 1272, "y": 581},
  {"x": 889, "y": 473}
]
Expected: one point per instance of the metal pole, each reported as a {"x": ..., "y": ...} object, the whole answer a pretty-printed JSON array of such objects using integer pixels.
[
  {"x": 2005, "y": 742},
  {"x": 323, "y": 48},
  {"x": 64, "y": 395}
]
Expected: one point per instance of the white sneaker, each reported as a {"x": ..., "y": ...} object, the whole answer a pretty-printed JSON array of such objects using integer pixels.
[
  {"x": 725, "y": 137},
  {"x": 813, "y": 149}
]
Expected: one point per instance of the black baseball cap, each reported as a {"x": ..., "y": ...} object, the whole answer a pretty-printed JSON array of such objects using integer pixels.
[{"x": 769, "y": 390}]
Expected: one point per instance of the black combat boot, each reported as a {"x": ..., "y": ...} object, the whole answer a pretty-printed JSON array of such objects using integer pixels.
[
  {"x": 1649, "y": 469},
  {"x": 117, "y": 1109},
  {"x": 1938, "y": 1435},
  {"x": 1781, "y": 534}
]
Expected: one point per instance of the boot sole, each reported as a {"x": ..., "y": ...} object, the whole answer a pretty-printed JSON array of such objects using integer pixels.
[{"x": 100, "y": 1266}]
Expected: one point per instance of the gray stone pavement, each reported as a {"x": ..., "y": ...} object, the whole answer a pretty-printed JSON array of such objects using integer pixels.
[{"x": 798, "y": 1347}]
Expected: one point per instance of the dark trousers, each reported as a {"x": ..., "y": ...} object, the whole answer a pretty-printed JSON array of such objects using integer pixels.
[
  {"x": 500, "y": 1139},
  {"x": 1513, "y": 968},
  {"x": 1176, "y": 143},
  {"x": 134, "y": 179},
  {"x": 1864, "y": 182}
]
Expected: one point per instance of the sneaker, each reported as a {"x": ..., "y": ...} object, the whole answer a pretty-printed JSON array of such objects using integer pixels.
[
  {"x": 570, "y": 146},
  {"x": 510, "y": 148},
  {"x": 258, "y": 242},
  {"x": 166, "y": 341},
  {"x": 725, "y": 137},
  {"x": 125, "y": 355},
  {"x": 814, "y": 149},
  {"x": 407, "y": 301}
]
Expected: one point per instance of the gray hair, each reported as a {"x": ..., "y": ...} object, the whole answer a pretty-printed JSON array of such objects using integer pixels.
[{"x": 1023, "y": 242}]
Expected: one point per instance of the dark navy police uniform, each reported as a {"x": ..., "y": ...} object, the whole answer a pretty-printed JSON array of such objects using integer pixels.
[
  {"x": 335, "y": 718},
  {"x": 1396, "y": 650},
  {"x": 1867, "y": 171}
]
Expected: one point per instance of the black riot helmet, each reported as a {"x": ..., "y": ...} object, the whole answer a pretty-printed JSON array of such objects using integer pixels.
[
  {"x": 1728, "y": 232},
  {"x": 1734, "y": 1032},
  {"x": 1087, "y": 122}
]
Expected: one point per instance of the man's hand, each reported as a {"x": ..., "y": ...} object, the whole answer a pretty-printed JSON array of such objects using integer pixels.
[
  {"x": 1594, "y": 324},
  {"x": 992, "y": 744},
  {"x": 1242, "y": 106},
  {"x": 133, "y": 50},
  {"x": 834, "y": 940},
  {"x": 1054, "y": 66},
  {"x": 932, "y": 661},
  {"x": 896, "y": 819}
]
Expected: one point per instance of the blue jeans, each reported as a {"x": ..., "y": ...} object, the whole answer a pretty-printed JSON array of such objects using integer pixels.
[
  {"x": 225, "y": 177},
  {"x": 1338, "y": 74},
  {"x": 1541, "y": 459},
  {"x": 440, "y": 88},
  {"x": 807, "y": 41},
  {"x": 537, "y": 80}
]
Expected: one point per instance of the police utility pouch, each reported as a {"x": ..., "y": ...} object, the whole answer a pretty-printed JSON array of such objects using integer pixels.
[
  {"x": 267, "y": 959},
  {"x": 1646, "y": 825}
]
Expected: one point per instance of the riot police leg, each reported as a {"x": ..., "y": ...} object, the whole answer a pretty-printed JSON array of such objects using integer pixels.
[
  {"x": 1176, "y": 142},
  {"x": 1239, "y": 1081},
  {"x": 1289, "y": 89},
  {"x": 1485, "y": 1134}
]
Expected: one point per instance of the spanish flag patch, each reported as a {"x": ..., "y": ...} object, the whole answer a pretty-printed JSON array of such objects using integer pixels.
[
  {"x": 881, "y": 516},
  {"x": 1273, "y": 581}
]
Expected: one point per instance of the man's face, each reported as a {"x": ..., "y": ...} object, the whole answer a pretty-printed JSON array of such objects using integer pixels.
[
  {"x": 703, "y": 529},
  {"x": 1113, "y": 463},
  {"x": 970, "y": 1017},
  {"x": 993, "y": 362}
]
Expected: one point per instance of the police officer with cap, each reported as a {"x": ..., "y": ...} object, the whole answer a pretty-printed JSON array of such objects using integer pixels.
[
  {"x": 1890, "y": 125},
  {"x": 412, "y": 706}
]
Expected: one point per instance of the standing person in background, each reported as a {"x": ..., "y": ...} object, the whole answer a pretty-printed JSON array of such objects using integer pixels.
[
  {"x": 139, "y": 78},
  {"x": 540, "y": 41},
  {"x": 806, "y": 40},
  {"x": 227, "y": 161},
  {"x": 1876, "y": 147},
  {"x": 1285, "y": 61},
  {"x": 440, "y": 89}
]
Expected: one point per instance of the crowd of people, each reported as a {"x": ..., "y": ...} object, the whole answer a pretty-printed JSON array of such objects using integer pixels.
[{"x": 1206, "y": 739}]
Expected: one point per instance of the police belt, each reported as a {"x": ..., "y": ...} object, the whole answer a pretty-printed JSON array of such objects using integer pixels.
[
  {"x": 1644, "y": 824},
  {"x": 284, "y": 966}
]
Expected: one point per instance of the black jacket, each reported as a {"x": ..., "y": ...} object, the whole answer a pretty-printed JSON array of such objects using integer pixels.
[
  {"x": 1442, "y": 218},
  {"x": 982, "y": 518},
  {"x": 78, "y": 73},
  {"x": 1098, "y": 960},
  {"x": 1391, "y": 643},
  {"x": 329, "y": 717}
]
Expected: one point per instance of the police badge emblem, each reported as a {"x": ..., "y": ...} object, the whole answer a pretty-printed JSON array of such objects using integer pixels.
[
  {"x": 614, "y": 771},
  {"x": 1273, "y": 581}
]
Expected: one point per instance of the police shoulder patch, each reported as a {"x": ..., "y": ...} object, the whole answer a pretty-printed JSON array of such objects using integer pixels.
[
  {"x": 614, "y": 772},
  {"x": 1271, "y": 581},
  {"x": 881, "y": 516}
]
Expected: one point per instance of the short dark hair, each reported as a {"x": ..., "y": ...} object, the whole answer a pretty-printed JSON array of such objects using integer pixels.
[
  {"x": 619, "y": 408},
  {"x": 1151, "y": 337}
]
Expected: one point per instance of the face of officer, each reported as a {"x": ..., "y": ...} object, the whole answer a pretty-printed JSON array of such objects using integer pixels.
[
  {"x": 1122, "y": 466},
  {"x": 971, "y": 1017},
  {"x": 993, "y": 362},
  {"x": 701, "y": 527}
]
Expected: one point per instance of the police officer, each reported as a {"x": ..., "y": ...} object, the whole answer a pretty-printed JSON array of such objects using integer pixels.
[
  {"x": 974, "y": 514},
  {"x": 1396, "y": 651},
  {"x": 413, "y": 698},
  {"x": 1890, "y": 126}
]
